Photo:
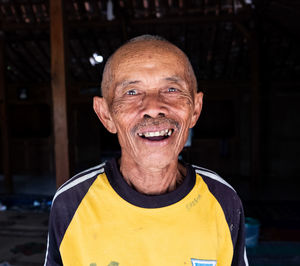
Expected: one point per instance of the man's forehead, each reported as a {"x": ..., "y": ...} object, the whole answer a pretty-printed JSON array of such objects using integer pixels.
[
  {"x": 146, "y": 50},
  {"x": 127, "y": 82},
  {"x": 144, "y": 57}
]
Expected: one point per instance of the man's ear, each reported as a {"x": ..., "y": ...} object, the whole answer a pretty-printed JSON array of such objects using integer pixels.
[
  {"x": 197, "y": 108},
  {"x": 103, "y": 113}
]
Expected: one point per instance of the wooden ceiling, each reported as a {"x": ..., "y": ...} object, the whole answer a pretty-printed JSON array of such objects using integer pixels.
[{"x": 214, "y": 34}]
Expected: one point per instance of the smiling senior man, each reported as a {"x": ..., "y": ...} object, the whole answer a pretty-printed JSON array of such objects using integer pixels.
[{"x": 146, "y": 207}]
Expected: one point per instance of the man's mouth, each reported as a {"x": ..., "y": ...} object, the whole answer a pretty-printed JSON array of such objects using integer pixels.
[{"x": 157, "y": 135}]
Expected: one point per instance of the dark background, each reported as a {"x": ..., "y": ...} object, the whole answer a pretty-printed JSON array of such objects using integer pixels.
[{"x": 247, "y": 61}]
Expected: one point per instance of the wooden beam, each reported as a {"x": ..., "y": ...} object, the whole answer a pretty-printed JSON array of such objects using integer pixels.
[
  {"x": 37, "y": 60},
  {"x": 256, "y": 164},
  {"x": 4, "y": 125},
  {"x": 193, "y": 19},
  {"x": 212, "y": 51},
  {"x": 13, "y": 26},
  {"x": 72, "y": 53},
  {"x": 59, "y": 92},
  {"x": 243, "y": 30},
  {"x": 256, "y": 113}
]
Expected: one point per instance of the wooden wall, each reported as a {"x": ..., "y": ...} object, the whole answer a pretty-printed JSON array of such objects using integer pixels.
[{"x": 247, "y": 67}]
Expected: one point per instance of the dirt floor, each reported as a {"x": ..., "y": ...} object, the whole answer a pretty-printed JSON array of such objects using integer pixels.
[{"x": 23, "y": 237}]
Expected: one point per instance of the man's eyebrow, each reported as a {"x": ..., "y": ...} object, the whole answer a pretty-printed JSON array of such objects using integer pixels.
[
  {"x": 125, "y": 83},
  {"x": 174, "y": 79}
]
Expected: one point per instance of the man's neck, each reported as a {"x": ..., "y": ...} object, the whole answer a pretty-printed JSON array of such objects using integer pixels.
[{"x": 152, "y": 180}]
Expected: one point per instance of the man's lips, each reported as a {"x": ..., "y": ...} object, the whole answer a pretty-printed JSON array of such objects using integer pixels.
[
  {"x": 158, "y": 133},
  {"x": 156, "y": 129}
]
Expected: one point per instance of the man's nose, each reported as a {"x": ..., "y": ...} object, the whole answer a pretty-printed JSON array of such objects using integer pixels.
[{"x": 153, "y": 106}]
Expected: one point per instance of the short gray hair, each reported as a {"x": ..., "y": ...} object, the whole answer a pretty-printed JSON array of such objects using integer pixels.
[{"x": 147, "y": 37}]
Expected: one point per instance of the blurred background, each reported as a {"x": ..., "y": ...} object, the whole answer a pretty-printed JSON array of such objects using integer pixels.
[{"x": 246, "y": 57}]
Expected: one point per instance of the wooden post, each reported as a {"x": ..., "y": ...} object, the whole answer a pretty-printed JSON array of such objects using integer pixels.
[
  {"x": 59, "y": 91},
  {"x": 255, "y": 150},
  {"x": 255, "y": 118},
  {"x": 4, "y": 125}
]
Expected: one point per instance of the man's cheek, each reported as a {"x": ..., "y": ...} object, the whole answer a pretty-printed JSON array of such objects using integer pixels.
[
  {"x": 124, "y": 136},
  {"x": 119, "y": 106}
]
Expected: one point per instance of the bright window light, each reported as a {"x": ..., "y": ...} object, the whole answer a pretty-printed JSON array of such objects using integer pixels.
[
  {"x": 92, "y": 61},
  {"x": 96, "y": 59}
]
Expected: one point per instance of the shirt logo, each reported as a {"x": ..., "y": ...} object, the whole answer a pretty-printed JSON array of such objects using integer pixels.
[
  {"x": 113, "y": 263},
  {"x": 196, "y": 262}
]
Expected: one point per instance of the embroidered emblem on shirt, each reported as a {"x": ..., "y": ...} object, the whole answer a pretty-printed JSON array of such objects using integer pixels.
[
  {"x": 193, "y": 203},
  {"x": 113, "y": 263},
  {"x": 196, "y": 262}
]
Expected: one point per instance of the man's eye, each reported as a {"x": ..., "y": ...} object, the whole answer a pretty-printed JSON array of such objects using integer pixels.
[
  {"x": 172, "y": 89},
  {"x": 131, "y": 92}
]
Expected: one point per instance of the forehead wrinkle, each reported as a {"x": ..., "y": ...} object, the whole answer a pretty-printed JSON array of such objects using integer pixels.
[
  {"x": 133, "y": 50},
  {"x": 175, "y": 79},
  {"x": 125, "y": 83}
]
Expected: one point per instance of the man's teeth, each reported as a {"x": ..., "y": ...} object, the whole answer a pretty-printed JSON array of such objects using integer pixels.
[{"x": 166, "y": 132}]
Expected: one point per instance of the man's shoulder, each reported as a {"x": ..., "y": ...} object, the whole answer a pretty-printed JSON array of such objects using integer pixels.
[
  {"x": 79, "y": 183},
  {"x": 221, "y": 189},
  {"x": 212, "y": 177}
]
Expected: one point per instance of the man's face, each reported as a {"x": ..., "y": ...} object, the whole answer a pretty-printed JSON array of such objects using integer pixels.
[{"x": 152, "y": 106}]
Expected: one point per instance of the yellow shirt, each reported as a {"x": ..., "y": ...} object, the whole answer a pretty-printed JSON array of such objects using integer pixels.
[{"x": 112, "y": 224}]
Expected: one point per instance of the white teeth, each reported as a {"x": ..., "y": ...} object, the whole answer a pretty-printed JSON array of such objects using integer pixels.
[{"x": 166, "y": 132}]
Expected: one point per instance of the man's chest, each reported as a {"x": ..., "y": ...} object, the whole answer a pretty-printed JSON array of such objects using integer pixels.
[{"x": 112, "y": 232}]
